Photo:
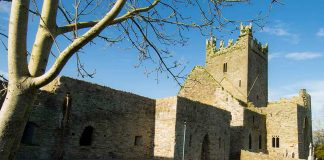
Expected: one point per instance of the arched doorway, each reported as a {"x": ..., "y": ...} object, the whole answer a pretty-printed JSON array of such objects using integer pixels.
[
  {"x": 205, "y": 155},
  {"x": 86, "y": 137}
]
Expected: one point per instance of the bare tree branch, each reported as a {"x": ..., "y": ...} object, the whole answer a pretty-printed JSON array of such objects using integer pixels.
[
  {"x": 81, "y": 25},
  {"x": 77, "y": 44}
]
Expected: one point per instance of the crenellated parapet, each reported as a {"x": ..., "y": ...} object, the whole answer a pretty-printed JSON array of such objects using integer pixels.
[
  {"x": 306, "y": 98},
  {"x": 245, "y": 30},
  {"x": 244, "y": 40},
  {"x": 262, "y": 48}
]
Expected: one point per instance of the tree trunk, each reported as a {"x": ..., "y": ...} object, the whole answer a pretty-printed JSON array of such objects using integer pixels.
[{"x": 13, "y": 118}]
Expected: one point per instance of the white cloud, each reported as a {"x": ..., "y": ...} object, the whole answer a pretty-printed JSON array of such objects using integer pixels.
[
  {"x": 314, "y": 88},
  {"x": 280, "y": 30},
  {"x": 320, "y": 32},
  {"x": 297, "y": 56},
  {"x": 5, "y": 7},
  {"x": 274, "y": 55},
  {"x": 303, "y": 55}
]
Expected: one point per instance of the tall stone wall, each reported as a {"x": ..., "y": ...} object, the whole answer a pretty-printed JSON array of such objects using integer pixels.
[
  {"x": 206, "y": 130},
  {"x": 257, "y": 73},
  {"x": 201, "y": 86},
  {"x": 165, "y": 123},
  {"x": 236, "y": 58},
  {"x": 242, "y": 65},
  {"x": 189, "y": 129},
  {"x": 123, "y": 123},
  {"x": 44, "y": 129},
  {"x": 290, "y": 121},
  {"x": 282, "y": 124}
]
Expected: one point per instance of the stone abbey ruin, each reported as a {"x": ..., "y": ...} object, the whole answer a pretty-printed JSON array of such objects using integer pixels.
[{"x": 221, "y": 112}]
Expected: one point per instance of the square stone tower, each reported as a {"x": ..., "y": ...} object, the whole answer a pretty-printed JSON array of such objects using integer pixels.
[{"x": 240, "y": 67}]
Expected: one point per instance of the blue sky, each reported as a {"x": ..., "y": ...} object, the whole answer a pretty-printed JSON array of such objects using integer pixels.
[{"x": 294, "y": 32}]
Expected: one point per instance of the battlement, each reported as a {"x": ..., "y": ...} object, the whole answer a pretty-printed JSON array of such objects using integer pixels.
[{"x": 245, "y": 39}]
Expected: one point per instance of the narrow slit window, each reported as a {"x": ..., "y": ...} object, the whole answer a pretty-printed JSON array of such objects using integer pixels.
[
  {"x": 250, "y": 141},
  {"x": 225, "y": 67},
  {"x": 240, "y": 83},
  {"x": 277, "y": 142},
  {"x": 260, "y": 142}
]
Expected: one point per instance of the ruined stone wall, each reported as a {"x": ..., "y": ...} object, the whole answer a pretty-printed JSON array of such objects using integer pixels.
[
  {"x": 290, "y": 119},
  {"x": 304, "y": 130},
  {"x": 123, "y": 123},
  {"x": 304, "y": 116},
  {"x": 200, "y": 86},
  {"x": 282, "y": 123},
  {"x": 254, "y": 130},
  {"x": 183, "y": 125},
  {"x": 246, "y": 155},
  {"x": 165, "y": 122},
  {"x": 207, "y": 131}
]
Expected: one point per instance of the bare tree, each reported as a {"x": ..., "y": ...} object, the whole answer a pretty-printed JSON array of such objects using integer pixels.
[{"x": 143, "y": 23}]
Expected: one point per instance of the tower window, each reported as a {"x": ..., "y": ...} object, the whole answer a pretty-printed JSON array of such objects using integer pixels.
[
  {"x": 240, "y": 83},
  {"x": 275, "y": 141},
  {"x": 225, "y": 67}
]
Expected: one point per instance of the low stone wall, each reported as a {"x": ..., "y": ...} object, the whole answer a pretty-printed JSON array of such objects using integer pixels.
[{"x": 246, "y": 155}]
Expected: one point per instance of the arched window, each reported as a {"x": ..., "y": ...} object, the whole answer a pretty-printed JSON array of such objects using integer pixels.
[
  {"x": 29, "y": 133},
  {"x": 250, "y": 141},
  {"x": 86, "y": 137}
]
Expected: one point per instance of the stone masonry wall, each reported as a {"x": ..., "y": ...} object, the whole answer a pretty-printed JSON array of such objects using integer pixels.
[
  {"x": 282, "y": 124},
  {"x": 290, "y": 119},
  {"x": 43, "y": 138},
  {"x": 246, "y": 155},
  {"x": 207, "y": 131},
  {"x": 236, "y": 58},
  {"x": 165, "y": 122},
  {"x": 123, "y": 123},
  {"x": 257, "y": 74},
  {"x": 179, "y": 116}
]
